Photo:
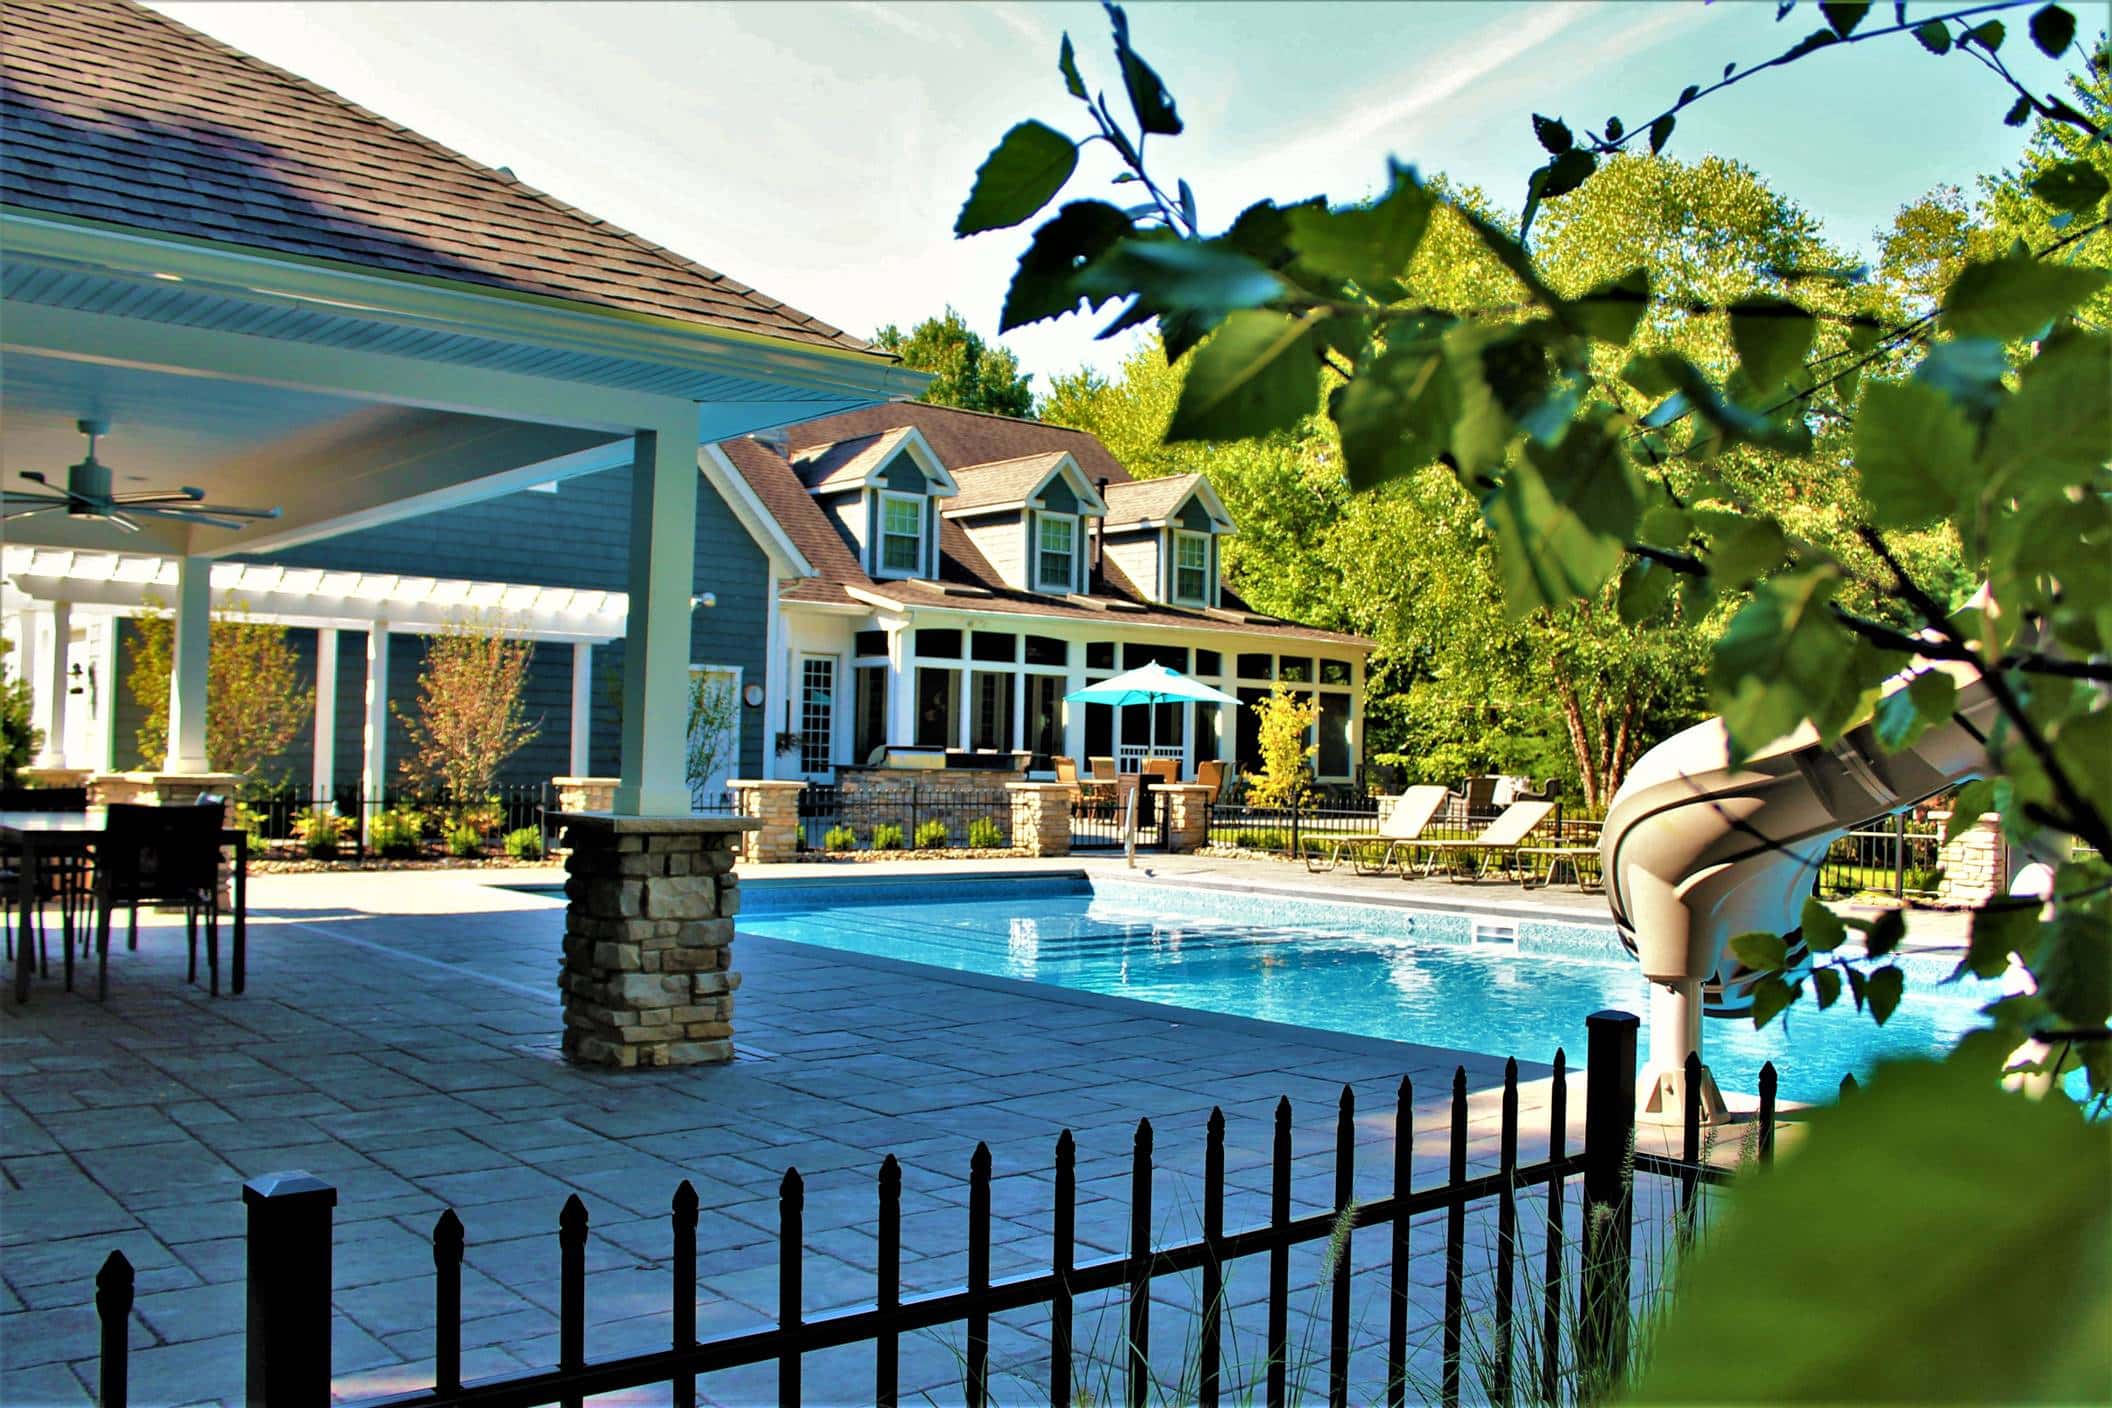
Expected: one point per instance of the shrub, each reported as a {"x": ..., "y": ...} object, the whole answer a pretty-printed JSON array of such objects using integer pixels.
[
  {"x": 320, "y": 833},
  {"x": 985, "y": 834},
  {"x": 469, "y": 718},
  {"x": 839, "y": 838},
  {"x": 931, "y": 835},
  {"x": 394, "y": 833},
  {"x": 887, "y": 837},
  {"x": 464, "y": 841},
  {"x": 485, "y": 818},
  {"x": 525, "y": 844}
]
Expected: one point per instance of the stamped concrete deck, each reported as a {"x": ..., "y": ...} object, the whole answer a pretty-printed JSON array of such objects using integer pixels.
[{"x": 399, "y": 1040}]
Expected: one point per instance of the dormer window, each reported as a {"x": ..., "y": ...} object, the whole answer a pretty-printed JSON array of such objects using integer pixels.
[
  {"x": 1191, "y": 568},
  {"x": 901, "y": 535},
  {"x": 1057, "y": 552}
]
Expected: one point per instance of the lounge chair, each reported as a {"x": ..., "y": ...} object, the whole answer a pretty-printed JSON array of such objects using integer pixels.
[
  {"x": 1498, "y": 843},
  {"x": 1404, "y": 825}
]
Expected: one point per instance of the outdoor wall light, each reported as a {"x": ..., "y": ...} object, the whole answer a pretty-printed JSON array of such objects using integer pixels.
[
  {"x": 752, "y": 696},
  {"x": 82, "y": 682},
  {"x": 708, "y": 599}
]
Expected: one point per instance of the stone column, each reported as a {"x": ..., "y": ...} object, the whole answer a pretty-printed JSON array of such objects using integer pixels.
[
  {"x": 585, "y": 794},
  {"x": 1187, "y": 815},
  {"x": 774, "y": 805},
  {"x": 1041, "y": 817},
  {"x": 1975, "y": 862},
  {"x": 648, "y": 974}
]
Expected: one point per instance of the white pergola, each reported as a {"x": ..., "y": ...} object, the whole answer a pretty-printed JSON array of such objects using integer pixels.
[{"x": 65, "y": 583}]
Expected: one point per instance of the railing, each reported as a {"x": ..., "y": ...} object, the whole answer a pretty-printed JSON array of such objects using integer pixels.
[
  {"x": 1899, "y": 858},
  {"x": 895, "y": 821},
  {"x": 399, "y": 823},
  {"x": 1130, "y": 757},
  {"x": 1582, "y": 1304}
]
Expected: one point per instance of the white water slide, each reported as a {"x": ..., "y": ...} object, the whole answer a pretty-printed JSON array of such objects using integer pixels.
[{"x": 1697, "y": 849}]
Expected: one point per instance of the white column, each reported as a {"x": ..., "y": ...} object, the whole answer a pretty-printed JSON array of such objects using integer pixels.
[
  {"x": 53, "y": 754},
  {"x": 1074, "y": 714},
  {"x": 656, "y": 639},
  {"x": 776, "y": 644},
  {"x": 582, "y": 759},
  {"x": 24, "y": 659},
  {"x": 374, "y": 767},
  {"x": 187, "y": 668},
  {"x": 323, "y": 770}
]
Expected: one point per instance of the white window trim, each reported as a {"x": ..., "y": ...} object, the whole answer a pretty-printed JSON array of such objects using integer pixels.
[
  {"x": 1180, "y": 536},
  {"x": 1069, "y": 584},
  {"x": 880, "y": 567}
]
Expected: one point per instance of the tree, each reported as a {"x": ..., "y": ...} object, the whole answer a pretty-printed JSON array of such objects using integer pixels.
[
  {"x": 1286, "y": 720},
  {"x": 714, "y": 712},
  {"x": 255, "y": 703},
  {"x": 18, "y": 740},
  {"x": 967, "y": 372},
  {"x": 469, "y": 716}
]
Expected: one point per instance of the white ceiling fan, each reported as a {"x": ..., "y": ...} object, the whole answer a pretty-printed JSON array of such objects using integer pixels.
[{"x": 87, "y": 494}]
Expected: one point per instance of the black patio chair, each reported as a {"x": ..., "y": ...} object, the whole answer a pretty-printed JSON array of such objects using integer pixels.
[
  {"x": 159, "y": 855},
  {"x": 61, "y": 878}
]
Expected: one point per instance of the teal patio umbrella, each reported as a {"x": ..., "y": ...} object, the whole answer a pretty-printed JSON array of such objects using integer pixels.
[{"x": 1150, "y": 685}]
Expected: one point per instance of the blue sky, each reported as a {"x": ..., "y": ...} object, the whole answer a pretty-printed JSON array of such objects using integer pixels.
[{"x": 819, "y": 152}]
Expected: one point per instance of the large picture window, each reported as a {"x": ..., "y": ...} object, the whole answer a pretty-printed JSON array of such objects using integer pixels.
[
  {"x": 1191, "y": 567},
  {"x": 938, "y": 708},
  {"x": 991, "y": 729},
  {"x": 901, "y": 535},
  {"x": 1057, "y": 541}
]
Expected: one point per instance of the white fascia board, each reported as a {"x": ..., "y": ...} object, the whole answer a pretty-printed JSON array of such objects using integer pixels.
[
  {"x": 786, "y": 560},
  {"x": 914, "y": 443},
  {"x": 871, "y": 598},
  {"x": 1090, "y": 504},
  {"x": 447, "y": 305}
]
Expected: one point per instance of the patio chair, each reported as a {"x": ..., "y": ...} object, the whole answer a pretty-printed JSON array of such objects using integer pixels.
[
  {"x": 1164, "y": 770},
  {"x": 1481, "y": 795},
  {"x": 159, "y": 855},
  {"x": 1212, "y": 776},
  {"x": 1498, "y": 843},
  {"x": 61, "y": 876},
  {"x": 1067, "y": 773},
  {"x": 1405, "y": 824}
]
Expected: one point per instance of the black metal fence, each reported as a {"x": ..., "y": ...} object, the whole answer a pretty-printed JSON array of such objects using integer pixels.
[
  {"x": 1102, "y": 817},
  {"x": 1309, "y": 829},
  {"x": 1898, "y": 857},
  {"x": 1577, "y": 1315},
  {"x": 352, "y": 824},
  {"x": 918, "y": 818}
]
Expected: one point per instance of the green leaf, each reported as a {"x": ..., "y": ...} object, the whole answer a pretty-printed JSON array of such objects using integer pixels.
[
  {"x": 2000, "y": 928},
  {"x": 1611, "y": 310},
  {"x": 2014, "y": 296},
  {"x": 1771, "y": 998},
  {"x": 1887, "y": 928},
  {"x": 1960, "y": 1229},
  {"x": 1587, "y": 473},
  {"x": 2074, "y": 968},
  {"x": 1173, "y": 275},
  {"x": 1935, "y": 36},
  {"x": 1553, "y": 134},
  {"x": 1043, "y": 286},
  {"x": 1783, "y": 660},
  {"x": 1396, "y": 416},
  {"x": 1905, "y": 714},
  {"x": 1509, "y": 253},
  {"x": 1023, "y": 174},
  {"x": 1882, "y": 991},
  {"x": 1256, "y": 374},
  {"x": 1546, "y": 553},
  {"x": 1973, "y": 801},
  {"x": 1822, "y": 928},
  {"x": 1067, "y": 62},
  {"x": 1914, "y": 453},
  {"x": 1661, "y": 133},
  {"x": 2019, "y": 113},
  {"x": 2056, "y": 430},
  {"x": 1855, "y": 986},
  {"x": 1761, "y": 951},
  {"x": 2069, "y": 185},
  {"x": 1371, "y": 244},
  {"x": 1646, "y": 588},
  {"x": 1741, "y": 547},
  {"x": 1844, "y": 15},
  {"x": 1969, "y": 371},
  {"x": 1772, "y": 336},
  {"x": 1148, "y": 97},
  {"x": 1614, "y": 129},
  {"x": 1988, "y": 36},
  {"x": 1826, "y": 983},
  {"x": 1817, "y": 39},
  {"x": 2051, "y": 29}
]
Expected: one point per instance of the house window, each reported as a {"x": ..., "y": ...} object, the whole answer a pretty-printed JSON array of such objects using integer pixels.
[
  {"x": 1334, "y": 760},
  {"x": 992, "y": 724},
  {"x": 901, "y": 535},
  {"x": 1209, "y": 663},
  {"x": 1191, "y": 567},
  {"x": 1058, "y": 544},
  {"x": 871, "y": 725},
  {"x": 1334, "y": 672},
  {"x": 938, "y": 708}
]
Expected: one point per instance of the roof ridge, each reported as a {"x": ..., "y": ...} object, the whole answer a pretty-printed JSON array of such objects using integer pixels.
[{"x": 287, "y": 76}]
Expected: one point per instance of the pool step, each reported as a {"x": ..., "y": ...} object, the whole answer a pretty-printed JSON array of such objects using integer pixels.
[{"x": 1496, "y": 931}]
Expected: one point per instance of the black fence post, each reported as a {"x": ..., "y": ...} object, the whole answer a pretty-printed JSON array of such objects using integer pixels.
[
  {"x": 289, "y": 1290},
  {"x": 682, "y": 1218},
  {"x": 1209, "y": 1352},
  {"x": 979, "y": 1277},
  {"x": 791, "y": 1246},
  {"x": 1609, "y": 1133},
  {"x": 887, "y": 1342},
  {"x": 572, "y": 1290},
  {"x": 1280, "y": 1256},
  {"x": 447, "y": 1302},
  {"x": 113, "y": 1308},
  {"x": 1139, "y": 1355},
  {"x": 1063, "y": 1224},
  {"x": 1899, "y": 856}
]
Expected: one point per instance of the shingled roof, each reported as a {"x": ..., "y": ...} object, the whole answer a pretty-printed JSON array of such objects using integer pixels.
[
  {"x": 967, "y": 582},
  {"x": 115, "y": 113},
  {"x": 985, "y": 486}
]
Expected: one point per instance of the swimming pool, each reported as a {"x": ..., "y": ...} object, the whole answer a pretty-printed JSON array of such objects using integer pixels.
[{"x": 1519, "y": 987}]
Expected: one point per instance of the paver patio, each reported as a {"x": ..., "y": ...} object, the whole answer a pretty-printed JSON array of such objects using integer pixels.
[{"x": 399, "y": 1039}]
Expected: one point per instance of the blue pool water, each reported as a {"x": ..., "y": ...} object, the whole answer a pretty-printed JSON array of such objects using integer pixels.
[{"x": 1404, "y": 975}]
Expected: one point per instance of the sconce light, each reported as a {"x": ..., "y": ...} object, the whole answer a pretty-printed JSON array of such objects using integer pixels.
[
  {"x": 752, "y": 696},
  {"x": 82, "y": 682},
  {"x": 708, "y": 599}
]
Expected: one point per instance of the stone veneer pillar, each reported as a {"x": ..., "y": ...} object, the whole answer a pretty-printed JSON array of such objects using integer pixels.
[
  {"x": 585, "y": 794},
  {"x": 1041, "y": 817},
  {"x": 1187, "y": 814},
  {"x": 648, "y": 974},
  {"x": 56, "y": 777},
  {"x": 774, "y": 804},
  {"x": 1975, "y": 862}
]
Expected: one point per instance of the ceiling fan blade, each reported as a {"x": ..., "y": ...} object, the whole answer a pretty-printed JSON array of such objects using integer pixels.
[
  {"x": 13, "y": 513},
  {"x": 189, "y": 515},
  {"x": 118, "y": 520},
  {"x": 144, "y": 497},
  {"x": 15, "y": 498},
  {"x": 233, "y": 511}
]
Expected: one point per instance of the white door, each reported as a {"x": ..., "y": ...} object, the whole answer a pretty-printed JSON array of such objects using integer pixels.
[
  {"x": 714, "y": 734},
  {"x": 817, "y": 715}
]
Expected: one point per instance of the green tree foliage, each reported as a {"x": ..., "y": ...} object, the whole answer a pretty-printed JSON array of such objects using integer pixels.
[
  {"x": 469, "y": 717},
  {"x": 966, "y": 371},
  {"x": 18, "y": 741},
  {"x": 714, "y": 715},
  {"x": 255, "y": 703},
  {"x": 1285, "y": 723}
]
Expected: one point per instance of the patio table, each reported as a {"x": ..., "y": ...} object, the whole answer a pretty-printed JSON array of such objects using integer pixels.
[{"x": 39, "y": 834}]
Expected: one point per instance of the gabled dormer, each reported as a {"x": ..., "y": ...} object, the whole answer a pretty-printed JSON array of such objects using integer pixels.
[
  {"x": 1031, "y": 518},
  {"x": 1164, "y": 535},
  {"x": 882, "y": 492}
]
